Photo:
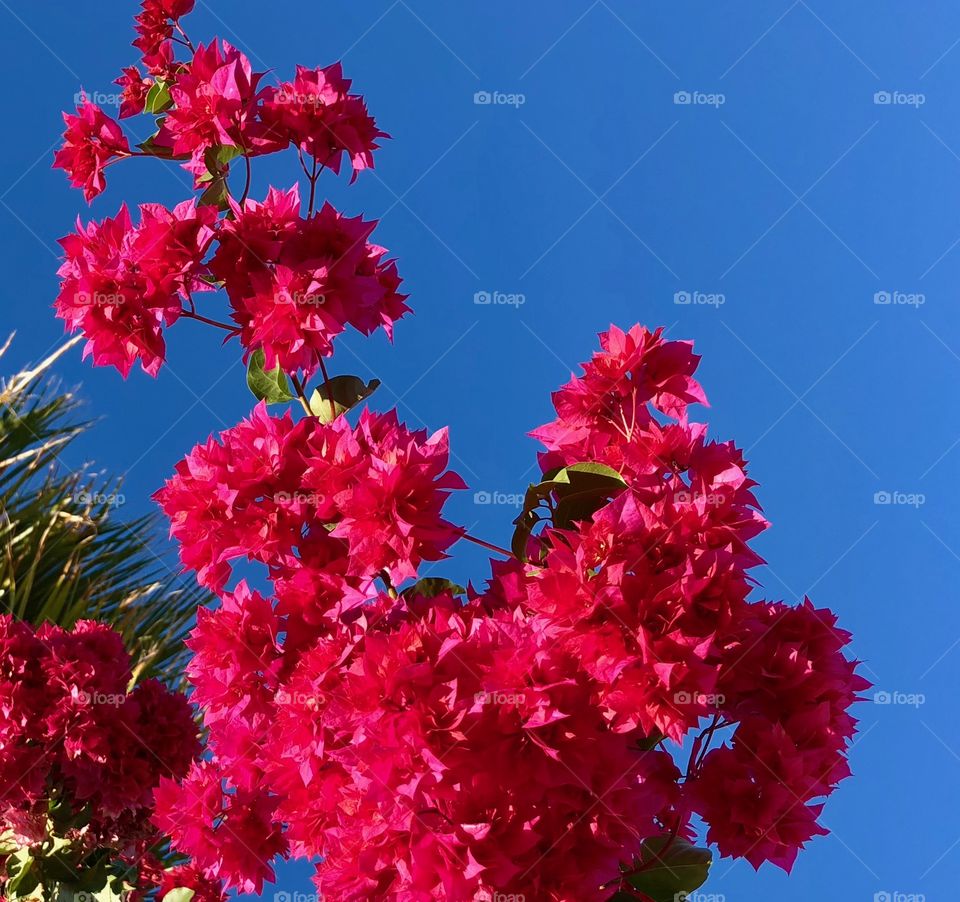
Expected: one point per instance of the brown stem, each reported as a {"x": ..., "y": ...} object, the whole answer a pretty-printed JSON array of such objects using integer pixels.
[
  {"x": 246, "y": 187},
  {"x": 327, "y": 386},
  {"x": 183, "y": 34},
  {"x": 487, "y": 545},
  {"x": 301, "y": 394},
  {"x": 313, "y": 185},
  {"x": 192, "y": 314}
]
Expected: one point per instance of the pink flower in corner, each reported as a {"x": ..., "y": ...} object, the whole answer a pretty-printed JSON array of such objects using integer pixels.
[{"x": 92, "y": 140}]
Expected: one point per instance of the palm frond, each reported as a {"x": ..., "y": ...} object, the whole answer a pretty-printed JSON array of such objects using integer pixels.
[{"x": 65, "y": 554}]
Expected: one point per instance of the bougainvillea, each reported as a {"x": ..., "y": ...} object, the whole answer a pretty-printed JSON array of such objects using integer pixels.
[
  {"x": 561, "y": 733},
  {"x": 81, "y": 753}
]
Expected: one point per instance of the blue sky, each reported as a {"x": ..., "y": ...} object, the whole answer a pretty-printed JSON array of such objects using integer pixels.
[{"x": 814, "y": 171}]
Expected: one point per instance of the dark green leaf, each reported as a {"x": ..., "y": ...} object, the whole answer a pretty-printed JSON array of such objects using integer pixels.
[
  {"x": 670, "y": 869},
  {"x": 431, "y": 587},
  {"x": 340, "y": 394},
  {"x": 217, "y": 194},
  {"x": 158, "y": 98},
  {"x": 650, "y": 742},
  {"x": 151, "y": 147},
  {"x": 584, "y": 490},
  {"x": 223, "y": 154},
  {"x": 217, "y": 160},
  {"x": 580, "y": 491},
  {"x": 24, "y": 875},
  {"x": 270, "y": 386}
]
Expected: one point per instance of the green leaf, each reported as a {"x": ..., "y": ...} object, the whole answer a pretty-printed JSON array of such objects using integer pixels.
[
  {"x": 68, "y": 551},
  {"x": 431, "y": 587},
  {"x": 670, "y": 869},
  {"x": 270, "y": 386},
  {"x": 158, "y": 98},
  {"x": 217, "y": 160},
  {"x": 345, "y": 392},
  {"x": 8, "y": 843},
  {"x": 180, "y": 894},
  {"x": 217, "y": 193},
  {"x": 151, "y": 147},
  {"x": 584, "y": 490},
  {"x": 646, "y": 743},
  {"x": 223, "y": 154},
  {"x": 580, "y": 491},
  {"x": 23, "y": 874}
]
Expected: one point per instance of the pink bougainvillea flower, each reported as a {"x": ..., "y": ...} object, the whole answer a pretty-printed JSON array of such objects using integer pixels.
[
  {"x": 121, "y": 284},
  {"x": 421, "y": 746},
  {"x": 269, "y": 490},
  {"x": 70, "y": 728},
  {"x": 317, "y": 113},
  {"x": 155, "y": 31},
  {"x": 215, "y": 105},
  {"x": 228, "y": 832},
  {"x": 135, "y": 91},
  {"x": 92, "y": 141},
  {"x": 295, "y": 284}
]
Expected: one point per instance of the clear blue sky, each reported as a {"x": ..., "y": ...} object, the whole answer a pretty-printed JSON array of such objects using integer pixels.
[{"x": 598, "y": 200}]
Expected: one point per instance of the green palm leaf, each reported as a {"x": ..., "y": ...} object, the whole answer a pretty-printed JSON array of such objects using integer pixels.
[{"x": 65, "y": 554}]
